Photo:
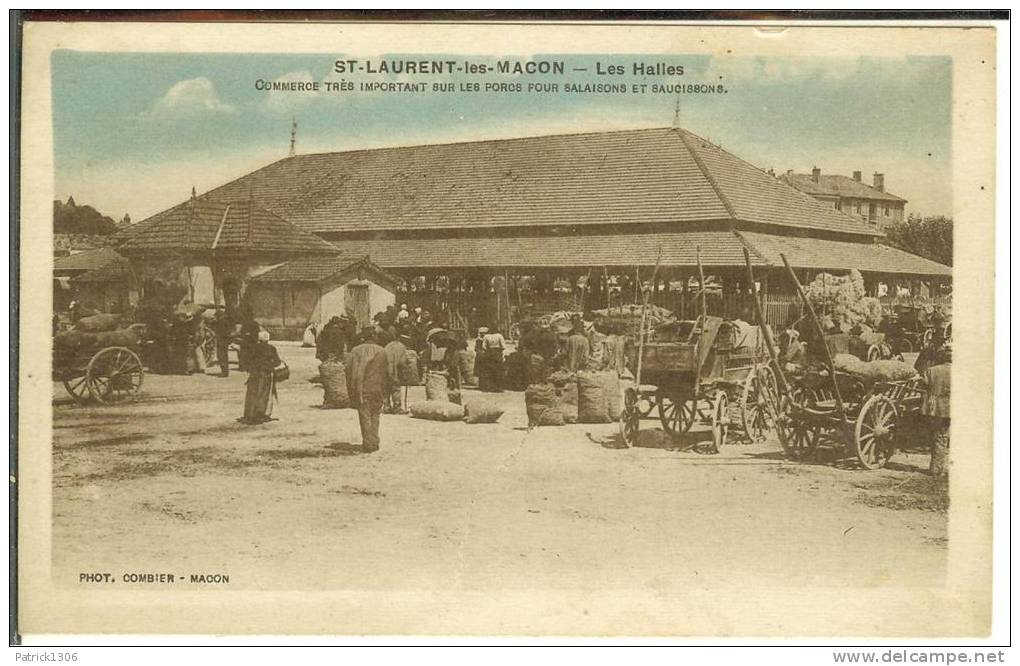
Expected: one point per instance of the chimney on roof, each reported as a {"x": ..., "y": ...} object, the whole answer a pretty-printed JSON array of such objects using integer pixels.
[
  {"x": 857, "y": 176},
  {"x": 879, "y": 182},
  {"x": 772, "y": 171},
  {"x": 816, "y": 174},
  {"x": 789, "y": 172}
]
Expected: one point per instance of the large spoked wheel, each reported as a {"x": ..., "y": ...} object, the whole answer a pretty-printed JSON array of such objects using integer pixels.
[
  {"x": 874, "y": 353},
  {"x": 676, "y": 413},
  {"x": 113, "y": 374},
  {"x": 875, "y": 432},
  {"x": 797, "y": 436},
  {"x": 758, "y": 403},
  {"x": 926, "y": 337},
  {"x": 720, "y": 420},
  {"x": 630, "y": 417},
  {"x": 78, "y": 387}
]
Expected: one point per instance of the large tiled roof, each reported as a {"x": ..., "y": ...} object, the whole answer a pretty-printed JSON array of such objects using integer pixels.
[
  {"x": 664, "y": 175},
  {"x": 206, "y": 224},
  {"x": 87, "y": 261},
  {"x": 835, "y": 185},
  {"x": 839, "y": 255},
  {"x": 718, "y": 248}
]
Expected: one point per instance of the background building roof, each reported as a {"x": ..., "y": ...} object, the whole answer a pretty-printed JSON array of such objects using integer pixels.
[
  {"x": 86, "y": 261},
  {"x": 835, "y": 185},
  {"x": 664, "y": 175},
  {"x": 322, "y": 269}
]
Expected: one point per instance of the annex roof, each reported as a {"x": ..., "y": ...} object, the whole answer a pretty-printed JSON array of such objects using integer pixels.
[
  {"x": 87, "y": 261},
  {"x": 323, "y": 269},
  {"x": 664, "y": 175},
  {"x": 224, "y": 226}
]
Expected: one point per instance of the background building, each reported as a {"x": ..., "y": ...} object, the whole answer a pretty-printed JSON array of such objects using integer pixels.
[{"x": 851, "y": 195}]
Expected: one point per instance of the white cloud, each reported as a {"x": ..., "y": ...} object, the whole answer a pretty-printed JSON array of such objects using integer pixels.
[
  {"x": 189, "y": 97},
  {"x": 287, "y": 101}
]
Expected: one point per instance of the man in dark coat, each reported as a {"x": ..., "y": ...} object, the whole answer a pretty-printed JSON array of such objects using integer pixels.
[
  {"x": 330, "y": 345},
  {"x": 578, "y": 350},
  {"x": 936, "y": 406},
  {"x": 368, "y": 385},
  {"x": 249, "y": 338},
  {"x": 396, "y": 370},
  {"x": 223, "y": 326}
]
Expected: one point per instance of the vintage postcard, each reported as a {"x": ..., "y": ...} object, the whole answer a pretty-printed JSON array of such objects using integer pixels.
[{"x": 620, "y": 329}]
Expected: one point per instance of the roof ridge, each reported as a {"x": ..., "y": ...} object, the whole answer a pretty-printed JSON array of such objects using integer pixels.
[
  {"x": 751, "y": 248},
  {"x": 708, "y": 176}
]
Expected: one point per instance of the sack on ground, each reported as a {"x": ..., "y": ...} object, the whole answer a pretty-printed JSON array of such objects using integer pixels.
[
  {"x": 540, "y": 401},
  {"x": 453, "y": 395},
  {"x": 592, "y": 406},
  {"x": 479, "y": 411},
  {"x": 334, "y": 385},
  {"x": 568, "y": 401},
  {"x": 98, "y": 322},
  {"x": 515, "y": 372},
  {"x": 436, "y": 388},
  {"x": 434, "y": 410}
]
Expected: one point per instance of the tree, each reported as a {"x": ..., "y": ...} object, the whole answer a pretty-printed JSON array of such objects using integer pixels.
[
  {"x": 69, "y": 218},
  {"x": 929, "y": 237}
]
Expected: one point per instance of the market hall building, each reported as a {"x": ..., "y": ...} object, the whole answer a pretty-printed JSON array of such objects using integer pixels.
[{"x": 505, "y": 228}]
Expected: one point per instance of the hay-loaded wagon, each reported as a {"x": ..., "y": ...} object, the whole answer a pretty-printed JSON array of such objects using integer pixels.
[
  {"x": 101, "y": 366},
  {"x": 846, "y": 412},
  {"x": 851, "y": 411},
  {"x": 682, "y": 366}
]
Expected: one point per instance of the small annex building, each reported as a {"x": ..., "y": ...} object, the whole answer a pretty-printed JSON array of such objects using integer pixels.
[{"x": 288, "y": 298}]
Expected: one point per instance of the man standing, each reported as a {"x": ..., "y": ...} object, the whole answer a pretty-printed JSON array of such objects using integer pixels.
[
  {"x": 367, "y": 384},
  {"x": 577, "y": 349},
  {"x": 223, "y": 326},
  {"x": 396, "y": 360},
  {"x": 936, "y": 407},
  {"x": 249, "y": 338}
]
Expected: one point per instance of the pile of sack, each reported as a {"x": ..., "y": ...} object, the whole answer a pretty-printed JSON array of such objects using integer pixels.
[
  {"x": 874, "y": 371},
  {"x": 584, "y": 397}
]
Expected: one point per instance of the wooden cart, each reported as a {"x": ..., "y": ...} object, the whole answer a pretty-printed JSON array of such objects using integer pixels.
[
  {"x": 735, "y": 385},
  {"x": 92, "y": 372}
]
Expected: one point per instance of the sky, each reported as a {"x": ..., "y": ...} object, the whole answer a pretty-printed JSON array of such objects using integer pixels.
[{"x": 134, "y": 132}]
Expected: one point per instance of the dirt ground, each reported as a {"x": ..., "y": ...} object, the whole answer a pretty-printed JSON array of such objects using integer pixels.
[{"x": 172, "y": 483}]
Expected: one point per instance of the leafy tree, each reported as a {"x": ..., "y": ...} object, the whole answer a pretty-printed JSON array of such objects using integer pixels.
[
  {"x": 929, "y": 237},
  {"x": 69, "y": 218}
]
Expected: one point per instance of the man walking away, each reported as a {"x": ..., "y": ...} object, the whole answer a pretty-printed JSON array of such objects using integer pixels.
[
  {"x": 936, "y": 408},
  {"x": 367, "y": 384}
]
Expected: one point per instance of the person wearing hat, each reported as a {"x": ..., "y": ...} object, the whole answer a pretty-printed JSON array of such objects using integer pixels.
[
  {"x": 490, "y": 368},
  {"x": 261, "y": 385},
  {"x": 368, "y": 385},
  {"x": 937, "y": 378}
]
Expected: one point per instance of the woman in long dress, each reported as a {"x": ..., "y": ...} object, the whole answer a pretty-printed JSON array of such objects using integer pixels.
[
  {"x": 490, "y": 377},
  {"x": 258, "y": 399}
]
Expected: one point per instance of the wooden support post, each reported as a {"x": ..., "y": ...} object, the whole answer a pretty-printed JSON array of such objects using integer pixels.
[
  {"x": 641, "y": 330},
  {"x": 763, "y": 325},
  {"x": 701, "y": 285}
]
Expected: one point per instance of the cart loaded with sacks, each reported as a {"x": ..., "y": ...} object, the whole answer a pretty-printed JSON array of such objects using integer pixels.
[{"x": 98, "y": 366}]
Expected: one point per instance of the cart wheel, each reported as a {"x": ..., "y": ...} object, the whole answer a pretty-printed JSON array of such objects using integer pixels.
[
  {"x": 676, "y": 415},
  {"x": 797, "y": 437},
  {"x": 926, "y": 337},
  {"x": 113, "y": 374},
  {"x": 630, "y": 417},
  {"x": 79, "y": 389},
  {"x": 209, "y": 347},
  {"x": 720, "y": 420},
  {"x": 874, "y": 353},
  {"x": 757, "y": 410},
  {"x": 901, "y": 346},
  {"x": 645, "y": 404},
  {"x": 875, "y": 432}
]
